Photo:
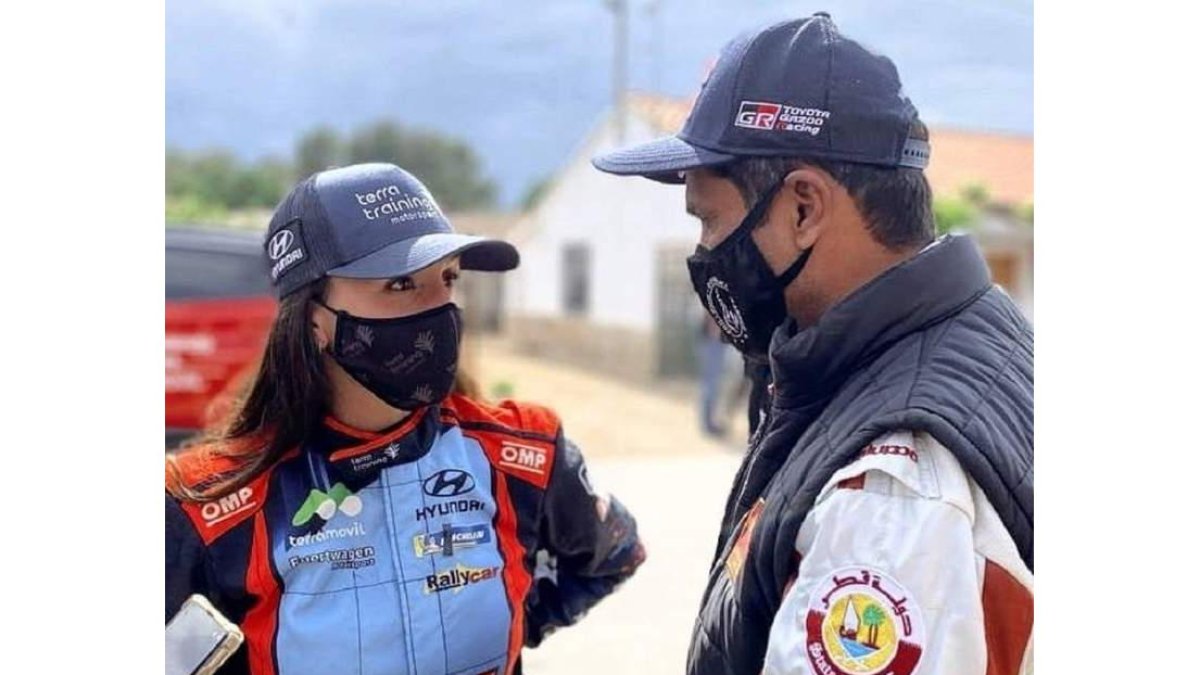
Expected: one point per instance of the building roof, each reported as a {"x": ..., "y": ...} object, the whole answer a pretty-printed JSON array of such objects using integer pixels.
[{"x": 1002, "y": 163}]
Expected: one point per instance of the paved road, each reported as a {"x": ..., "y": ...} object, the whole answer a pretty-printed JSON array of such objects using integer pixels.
[
  {"x": 646, "y": 625},
  {"x": 643, "y": 444}
]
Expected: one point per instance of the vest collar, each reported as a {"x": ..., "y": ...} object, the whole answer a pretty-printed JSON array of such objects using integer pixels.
[{"x": 810, "y": 365}]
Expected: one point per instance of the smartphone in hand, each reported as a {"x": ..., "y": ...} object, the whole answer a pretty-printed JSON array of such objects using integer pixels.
[{"x": 200, "y": 639}]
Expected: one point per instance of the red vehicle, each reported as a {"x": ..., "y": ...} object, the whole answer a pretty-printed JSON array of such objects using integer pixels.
[{"x": 219, "y": 310}]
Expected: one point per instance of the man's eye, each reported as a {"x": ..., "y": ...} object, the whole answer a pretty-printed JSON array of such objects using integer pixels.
[{"x": 450, "y": 278}]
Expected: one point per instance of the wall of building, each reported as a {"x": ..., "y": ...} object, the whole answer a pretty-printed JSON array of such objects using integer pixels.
[{"x": 623, "y": 220}]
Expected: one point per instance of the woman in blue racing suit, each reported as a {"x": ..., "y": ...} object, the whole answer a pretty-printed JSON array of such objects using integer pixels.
[{"x": 355, "y": 513}]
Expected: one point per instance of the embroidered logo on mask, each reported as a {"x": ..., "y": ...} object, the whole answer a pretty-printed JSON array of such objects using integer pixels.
[{"x": 724, "y": 309}]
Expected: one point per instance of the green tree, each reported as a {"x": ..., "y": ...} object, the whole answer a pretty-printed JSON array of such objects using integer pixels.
[
  {"x": 317, "y": 150},
  {"x": 205, "y": 185},
  {"x": 952, "y": 214},
  {"x": 976, "y": 193},
  {"x": 873, "y": 618},
  {"x": 1025, "y": 213},
  {"x": 447, "y": 166}
]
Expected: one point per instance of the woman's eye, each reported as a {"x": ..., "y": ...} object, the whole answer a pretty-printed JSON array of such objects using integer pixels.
[{"x": 402, "y": 284}]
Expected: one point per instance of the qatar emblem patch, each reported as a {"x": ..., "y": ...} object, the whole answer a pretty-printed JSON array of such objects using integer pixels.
[{"x": 862, "y": 622}]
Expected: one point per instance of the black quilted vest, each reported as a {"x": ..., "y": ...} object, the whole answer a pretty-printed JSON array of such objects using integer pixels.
[{"x": 930, "y": 345}]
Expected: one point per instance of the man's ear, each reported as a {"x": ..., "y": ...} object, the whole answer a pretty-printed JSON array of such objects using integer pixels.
[{"x": 810, "y": 196}]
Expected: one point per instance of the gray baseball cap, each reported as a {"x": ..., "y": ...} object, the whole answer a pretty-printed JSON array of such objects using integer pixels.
[
  {"x": 797, "y": 88},
  {"x": 368, "y": 221}
]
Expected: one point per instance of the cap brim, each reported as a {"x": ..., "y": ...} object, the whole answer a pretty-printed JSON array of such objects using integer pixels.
[
  {"x": 410, "y": 255},
  {"x": 662, "y": 159}
]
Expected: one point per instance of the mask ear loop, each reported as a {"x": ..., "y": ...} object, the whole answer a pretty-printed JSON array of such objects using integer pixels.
[
  {"x": 753, "y": 218},
  {"x": 337, "y": 313},
  {"x": 789, "y": 275}
]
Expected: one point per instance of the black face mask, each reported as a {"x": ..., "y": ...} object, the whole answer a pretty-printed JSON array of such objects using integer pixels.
[
  {"x": 738, "y": 288},
  {"x": 408, "y": 362}
]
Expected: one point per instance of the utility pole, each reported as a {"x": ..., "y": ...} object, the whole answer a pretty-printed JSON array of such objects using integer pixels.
[
  {"x": 620, "y": 82},
  {"x": 654, "y": 11}
]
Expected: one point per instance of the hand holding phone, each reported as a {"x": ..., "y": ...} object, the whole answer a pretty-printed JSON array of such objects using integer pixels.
[{"x": 200, "y": 639}]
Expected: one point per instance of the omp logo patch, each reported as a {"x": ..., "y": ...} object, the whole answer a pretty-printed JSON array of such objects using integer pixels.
[
  {"x": 523, "y": 458},
  {"x": 227, "y": 507}
]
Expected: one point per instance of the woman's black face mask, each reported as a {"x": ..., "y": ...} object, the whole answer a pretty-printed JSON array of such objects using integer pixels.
[
  {"x": 408, "y": 362},
  {"x": 738, "y": 288}
]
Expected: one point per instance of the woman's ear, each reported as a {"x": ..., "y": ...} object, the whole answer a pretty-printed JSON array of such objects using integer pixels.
[{"x": 321, "y": 331}]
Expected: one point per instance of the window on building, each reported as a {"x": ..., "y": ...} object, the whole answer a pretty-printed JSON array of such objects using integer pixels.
[{"x": 577, "y": 274}]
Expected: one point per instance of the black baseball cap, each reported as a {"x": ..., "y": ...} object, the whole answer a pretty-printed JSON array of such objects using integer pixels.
[
  {"x": 368, "y": 221},
  {"x": 797, "y": 88}
]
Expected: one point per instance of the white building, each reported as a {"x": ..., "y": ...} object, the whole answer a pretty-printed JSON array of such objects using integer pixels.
[{"x": 603, "y": 281}]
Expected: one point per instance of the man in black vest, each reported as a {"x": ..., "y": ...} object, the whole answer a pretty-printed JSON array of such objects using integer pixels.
[{"x": 883, "y": 518}]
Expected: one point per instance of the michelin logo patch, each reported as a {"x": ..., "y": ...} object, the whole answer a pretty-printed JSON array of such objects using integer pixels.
[
  {"x": 450, "y": 539},
  {"x": 285, "y": 248}
]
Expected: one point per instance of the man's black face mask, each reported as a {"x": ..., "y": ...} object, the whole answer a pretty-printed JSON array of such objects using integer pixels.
[{"x": 737, "y": 286}]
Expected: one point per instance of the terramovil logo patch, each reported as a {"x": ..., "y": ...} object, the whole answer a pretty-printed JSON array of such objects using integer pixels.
[
  {"x": 285, "y": 248},
  {"x": 862, "y": 622},
  {"x": 780, "y": 117},
  {"x": 324, "y": 505}
]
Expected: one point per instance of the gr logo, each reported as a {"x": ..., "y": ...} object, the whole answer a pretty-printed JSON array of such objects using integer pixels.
[
  {"x": 448, "y": 483},
  {"x": 757, "y": 115},
  {"x": 280, "y": 243}
]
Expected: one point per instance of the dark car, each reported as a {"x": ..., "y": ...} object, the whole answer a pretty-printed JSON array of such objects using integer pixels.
[{"x": 219, "y": 310}]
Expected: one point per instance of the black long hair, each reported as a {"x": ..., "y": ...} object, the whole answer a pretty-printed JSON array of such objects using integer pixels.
[{"x": 283, "y": 403}]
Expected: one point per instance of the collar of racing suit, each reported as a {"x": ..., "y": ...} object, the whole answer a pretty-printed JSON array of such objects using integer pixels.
[
  {"x": 361, "y": 455},
  {"x": 810, "y": 365}
]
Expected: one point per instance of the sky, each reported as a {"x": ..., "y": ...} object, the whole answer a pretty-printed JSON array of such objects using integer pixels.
[{"x": 523, "y": 81}]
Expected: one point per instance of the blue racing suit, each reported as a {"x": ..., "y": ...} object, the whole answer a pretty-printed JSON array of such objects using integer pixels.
[{"x": 443, "y": 545}]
